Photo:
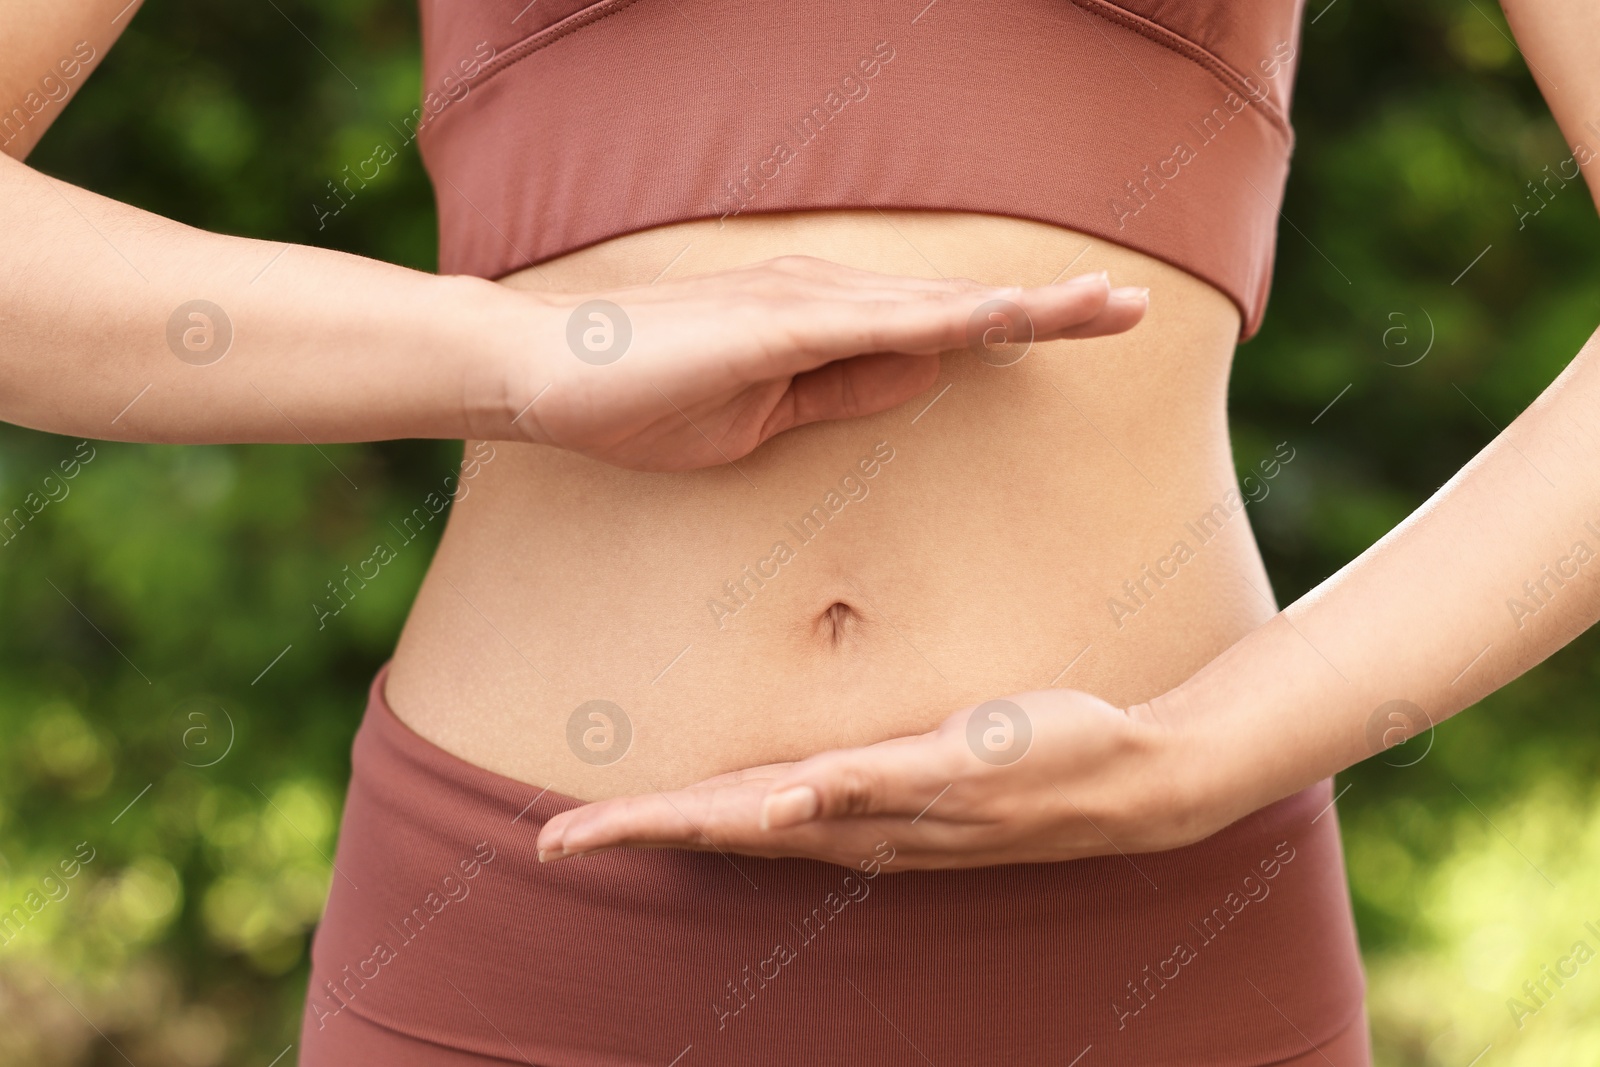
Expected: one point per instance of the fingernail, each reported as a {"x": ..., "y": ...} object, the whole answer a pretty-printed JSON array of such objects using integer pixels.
[
  {"x": 548, "y": 854},
  {"x": 1131, "y": 292},
  {"x": 791, "y": 807},
  {"x": 1099, "y": 277}
]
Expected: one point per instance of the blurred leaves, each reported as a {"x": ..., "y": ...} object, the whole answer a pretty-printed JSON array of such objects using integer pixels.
[
  {"x": 1411, "y": 275},
  {"x": 170, "y": 580},
  {"x": 167, "y": 579}
]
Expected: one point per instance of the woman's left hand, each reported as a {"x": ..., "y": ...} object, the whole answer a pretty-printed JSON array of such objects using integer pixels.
[{"x": 1050, "y": 775}]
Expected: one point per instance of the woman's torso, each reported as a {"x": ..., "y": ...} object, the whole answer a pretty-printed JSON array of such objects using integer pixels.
[{"x": 1070, "y": 519}]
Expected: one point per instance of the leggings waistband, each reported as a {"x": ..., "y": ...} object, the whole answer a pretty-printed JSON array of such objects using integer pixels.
[{"x": 442, "y": 926}]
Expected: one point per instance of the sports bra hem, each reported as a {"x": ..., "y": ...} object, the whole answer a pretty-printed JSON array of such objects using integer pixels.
[
  {"x": 524, "y": 263},
  {"x": 538, "y": 39},
  {"x": 1202, "y": 57}
]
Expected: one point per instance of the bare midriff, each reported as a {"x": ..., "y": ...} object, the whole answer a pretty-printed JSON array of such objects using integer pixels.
[{"x": 1072, "y": 519}]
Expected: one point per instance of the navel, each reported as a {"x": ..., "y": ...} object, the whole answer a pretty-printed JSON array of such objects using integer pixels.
[{"x": 837, "y": 622}]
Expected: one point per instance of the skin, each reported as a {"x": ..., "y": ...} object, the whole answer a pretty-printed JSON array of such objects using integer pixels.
[
  {"x": 333, "y": 347},
  {"x": 759, "y": 351},
  {"x": 1152, "y": 764},
  {"x": 1422, "y": 616},
  {"x": 1017, "y": 494}
]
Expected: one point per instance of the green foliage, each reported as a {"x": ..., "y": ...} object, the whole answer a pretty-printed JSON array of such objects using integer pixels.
[
  {"x": 1418, "y": 130},
  {"x": 169, "y": 579}
]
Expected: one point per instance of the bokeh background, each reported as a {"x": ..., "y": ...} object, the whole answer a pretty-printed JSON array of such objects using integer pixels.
[{"x": 185, "y": 938}]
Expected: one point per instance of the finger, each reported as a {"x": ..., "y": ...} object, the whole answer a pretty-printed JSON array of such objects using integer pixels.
[
  {"x": 730, "y": 826},
  {"x": 684, "y": 818},
  {"x": 817, "y": 333},
  {"x": 858, "y": 842},
  {"x": 1041, "y": 312},
  {"x": 904, "y": 778},
  {"x": 851, "y": 388},
  {"x": 1123, "y": 310},
  {"x": 724, "y": 817},
  {"x": 581, "y": 829},
  {"x": 1047, "y": 314},
  {"x": 656, "y": 813}
]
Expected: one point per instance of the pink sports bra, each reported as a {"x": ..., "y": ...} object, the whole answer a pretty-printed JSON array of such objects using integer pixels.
[{"x": 1160, "y": 125}]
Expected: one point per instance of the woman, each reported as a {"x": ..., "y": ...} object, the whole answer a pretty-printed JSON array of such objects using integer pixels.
[{"x": 638, "y": 596}]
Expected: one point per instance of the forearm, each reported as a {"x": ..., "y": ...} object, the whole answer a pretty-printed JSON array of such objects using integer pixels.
[
  {"x": 1557, "y": 37},
  {"x": 324, "y": 346},
  {"x": 48, "y": 48},
  {"x": 1499, "y": 569}
]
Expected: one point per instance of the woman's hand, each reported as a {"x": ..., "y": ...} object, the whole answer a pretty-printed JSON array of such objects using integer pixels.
[
  {"x": 1051, "y": 775},
  {"x": 701, "y": 371}
]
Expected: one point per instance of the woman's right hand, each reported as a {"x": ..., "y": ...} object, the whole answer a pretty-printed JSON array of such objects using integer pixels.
[
  {"x": 698, "y": 372},
  {"x": 126, "y": 326}
]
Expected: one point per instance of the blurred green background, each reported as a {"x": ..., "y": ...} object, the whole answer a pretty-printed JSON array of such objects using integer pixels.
[{"x": 185, "y": 937}]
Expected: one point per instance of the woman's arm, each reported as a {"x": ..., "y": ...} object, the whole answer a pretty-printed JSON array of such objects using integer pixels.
[
  {"x": 124, "y": 325},
  {"x": 1560, "y": 39},
  {"x": 104, "y": 336},
  {"x": 1496, "y": 571},
  {"x": 49, "y": 49},
  {"x": 1499, "y": 569},
  {"x": 120, "y": 324}
]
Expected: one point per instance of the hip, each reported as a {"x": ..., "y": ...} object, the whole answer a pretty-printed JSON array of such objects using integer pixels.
[
  {"x": 1063, "y": 514},
  {"x": 444, "y": 930}
]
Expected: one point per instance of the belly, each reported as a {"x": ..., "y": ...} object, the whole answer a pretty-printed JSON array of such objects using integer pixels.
[{"x": 1071, "y": 518}]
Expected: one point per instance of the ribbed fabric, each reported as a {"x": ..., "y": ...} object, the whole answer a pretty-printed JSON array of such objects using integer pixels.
[
  {"x": 445, "y": 941},
  {"x": 1160, "y": 125}
]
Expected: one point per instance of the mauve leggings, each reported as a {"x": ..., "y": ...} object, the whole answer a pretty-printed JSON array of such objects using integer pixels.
[{"x": 446, "y": 942}]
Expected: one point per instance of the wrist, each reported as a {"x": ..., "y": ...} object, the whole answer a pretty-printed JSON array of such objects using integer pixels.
[
  {"x": 506, "y": 358},
  {"x": 1258, "y": 723},
  {"x": 1201, "y": 788}
]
